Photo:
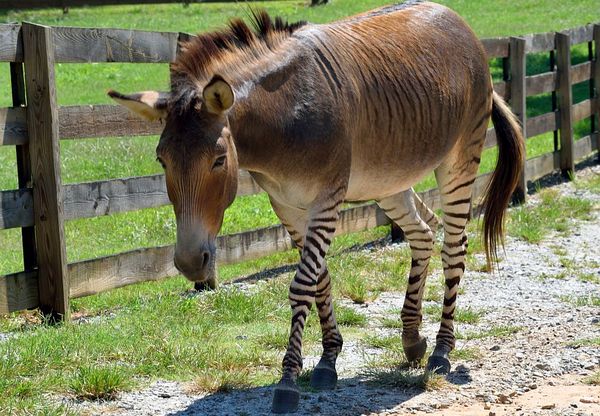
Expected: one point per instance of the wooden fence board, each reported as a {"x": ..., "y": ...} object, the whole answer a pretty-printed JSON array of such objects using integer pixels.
[
  {"x": 580, "y": 34},
  {"x": 16, "y": 208},
  {"x": 11, "y": 43},
  {"x": 18, "y": 291},
  {"x": 98, "y": 275},
  {"x": 13, "y": 126},
  {"x": 541, "y": 83},
  {"x": 496, "y": 47},
  {"x": 542, "y": 165},
  {"x": 565, "y": 96},
  {"x": 583, "y": 109},
  {"x": 539, "y": 42},
  {"x": 584, "y": 146},
  {"x": 94, "y": 199},
  {"x": 113, "y": 45},
  {"x": 42, "y": 125},
  {"x": 582, "y": 72},
  {"x": 90, "y": 121},
  {"x": 543, "y": 123}
]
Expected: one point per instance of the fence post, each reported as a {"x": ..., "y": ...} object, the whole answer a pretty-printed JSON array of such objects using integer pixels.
[
  {"x": 565, "y": 103},
  {"x": 518, "y": 97},
  {"x": 23, "y": 165},
  {"x": 596, "y": 79},
  {"x": 42, "y": 125}
]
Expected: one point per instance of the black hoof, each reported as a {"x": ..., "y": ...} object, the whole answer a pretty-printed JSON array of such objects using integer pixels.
[
  {"x": 438, "y": 365},
  {"x": 415, "y": 353},
  {"x": 323, "y": 377},
  {"x": 286, "y": 397},
  {"x": 206, "y": 285}
]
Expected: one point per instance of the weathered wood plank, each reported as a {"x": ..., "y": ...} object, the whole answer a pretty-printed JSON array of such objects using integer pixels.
[
  {"x": 539, "y": 42},
  {"x": 113, "y": 45},
  {"x": 580, "y": 34},
  {"x": 582, "y": 72},
  {"x": 11, "y": 43},
  {"x": 583, "y": 109},
  {"x": 89, "y": 121},
  {"x": 18, "y": 291},
  {"x": 543, "y": 123},
  {"x": 565, "y": 99},
  {"x": 16, "y": 208},
  {"x": 98, "y": 275},
  {"x": 93, "y": 199},
  {"x": 541, "y": 83},
  {"x": 518, "y": 98},
  {"x": 542, "y": 165},
  {"x": 584, "y": 146},
  {"x": 496, "y": 47},
  {"x": 42, "y": 124},
  {"x": 13, "y": 126}
]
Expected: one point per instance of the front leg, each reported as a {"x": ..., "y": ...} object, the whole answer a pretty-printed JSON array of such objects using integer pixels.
[{"x": 303, "y": 290}]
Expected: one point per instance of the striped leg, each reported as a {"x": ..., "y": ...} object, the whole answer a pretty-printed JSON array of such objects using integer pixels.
[
  {"x": 402, "y": 209},
  {"x": 302, "y": 294},
  {"x": 455, "y": 177},
  {"x": 324, "y": 375}
]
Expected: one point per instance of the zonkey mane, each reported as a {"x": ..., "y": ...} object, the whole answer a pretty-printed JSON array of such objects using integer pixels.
[{"x": 205, "y": 53}]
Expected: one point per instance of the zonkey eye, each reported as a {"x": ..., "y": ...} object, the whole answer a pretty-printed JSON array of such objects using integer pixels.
[{"x": 219, "y": 162}]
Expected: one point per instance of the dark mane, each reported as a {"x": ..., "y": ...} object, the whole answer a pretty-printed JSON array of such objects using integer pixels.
[{"x": 198, "y": 56}]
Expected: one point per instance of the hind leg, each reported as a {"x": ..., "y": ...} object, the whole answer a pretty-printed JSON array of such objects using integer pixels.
[
  {"x": 455, "y": 177},
  {"x": 402, "y": 209}
]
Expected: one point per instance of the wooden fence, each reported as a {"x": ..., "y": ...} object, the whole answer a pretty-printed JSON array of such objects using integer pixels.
[{"x": 35, "y": 124}]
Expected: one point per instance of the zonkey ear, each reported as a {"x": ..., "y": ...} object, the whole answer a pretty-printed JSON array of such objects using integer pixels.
[
  {"x": 151, "y": 105},
  {"x": 218, "y": 95}
]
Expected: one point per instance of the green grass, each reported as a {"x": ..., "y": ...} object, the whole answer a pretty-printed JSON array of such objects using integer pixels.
[
  {"x": 498, "y": 332},
  {"x": 593, "y": 380},
  {"x": 554, "y": 213},
  {"x": 462, "y": 315},
  {"x": 586, "y": 342},
  {"x": 92, "y": 383},
  {"x": 591, "y": 300}
]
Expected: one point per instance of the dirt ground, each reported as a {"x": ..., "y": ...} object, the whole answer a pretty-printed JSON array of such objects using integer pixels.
[{"x": 537, "y": 367}]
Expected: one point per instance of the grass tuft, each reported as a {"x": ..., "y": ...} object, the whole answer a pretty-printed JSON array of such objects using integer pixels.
[
  {"x": 349, "y": 317},
  {"x": 103, "y": 383},
  {"x": 499, "y": 332},
  {"x": 404, "y": 377},
  {"x": 593, "y": 379},
  {"x": 221, "y": 381}
]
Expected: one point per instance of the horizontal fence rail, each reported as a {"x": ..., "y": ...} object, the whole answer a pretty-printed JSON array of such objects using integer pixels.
[{"x": 86, "y": 200}]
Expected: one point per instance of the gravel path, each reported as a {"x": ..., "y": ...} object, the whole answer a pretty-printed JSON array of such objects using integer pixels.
[{"x": 537, "y": 370}]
